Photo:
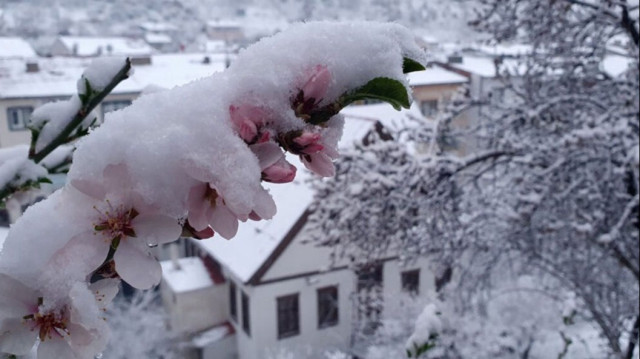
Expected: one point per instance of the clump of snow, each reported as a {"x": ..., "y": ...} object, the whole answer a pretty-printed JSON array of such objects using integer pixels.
[
  {"x": 16, "y": 169},
  {"x": 53, "y": 117},
  {"x": 428, "y": 324},
  {"x": 100, "y": 73}
]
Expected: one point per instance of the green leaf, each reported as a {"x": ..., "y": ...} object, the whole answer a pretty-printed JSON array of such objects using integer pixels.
[
  {"x": 409, "y": 65},
  {"x": 381, "y": 88}
]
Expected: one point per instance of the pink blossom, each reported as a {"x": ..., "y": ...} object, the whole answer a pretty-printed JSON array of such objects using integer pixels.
[
  {"x": 122, "y": 220},
  {"x": 279, "y": 172},
  {"x": 312, "y": 92},
  {"x": 247, "y": 121},
  {"x": 207, "y": 207},
  {"x": 318, "y": 83},
  {"x": 319, "y": 163},
  {"x": 69, "y": 327},
  {"x": 273, "y": 164},
  {"x": 307, "y": 143}
]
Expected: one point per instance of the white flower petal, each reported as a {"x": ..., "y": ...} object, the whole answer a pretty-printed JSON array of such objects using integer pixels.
[
  {"x": 16, "y": 299},
  {"x": 136, "y": 266},
  {"x": 83, "y": 254},
  {"x": 224, "y": 221},
  {"x": 105, "y": 290},
  {"x": 268, "y": 153},
  {"x": 55, "y": 347},
  {"x": 16, "y": 337},
  {"x": 156, "y": 229},
  {"x": 264, "y": 205}
]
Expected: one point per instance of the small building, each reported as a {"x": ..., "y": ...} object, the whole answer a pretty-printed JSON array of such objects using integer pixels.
[{"x": 228, "y": 31}]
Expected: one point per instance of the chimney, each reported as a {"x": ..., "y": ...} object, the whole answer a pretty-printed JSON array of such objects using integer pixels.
[
  {"x": 454, "y": 59},
  {"x": 32, "y": 67},
  {"x": 141, "y": 60},
  {"x": 173, "y": 253}
]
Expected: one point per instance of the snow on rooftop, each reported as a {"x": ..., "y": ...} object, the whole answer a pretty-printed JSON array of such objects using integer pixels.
[
  {"x": 191, "y": 275},
  {"x": 244, "y": 254},
  {"x": 212, "y": 335},
  {"x": 58, "y": 75},
  {"x": 224, "y": 24},
  {"x": 158, "y": 26},
  {"x": 152, "y": 38},
  {"x": 435, "y": 75},
  {"x": 15, "y": 47},
  {"x": 483, "y": 66},
  {"x": 92, "y": 46}
]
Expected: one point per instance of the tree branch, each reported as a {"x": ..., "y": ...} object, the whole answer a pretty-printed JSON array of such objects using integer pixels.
[{"x": 85, "y": 110}]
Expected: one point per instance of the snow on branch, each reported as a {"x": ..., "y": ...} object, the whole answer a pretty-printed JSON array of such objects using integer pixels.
[{"x": 191, "y": 160}]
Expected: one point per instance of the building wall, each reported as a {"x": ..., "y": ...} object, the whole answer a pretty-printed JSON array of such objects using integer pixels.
[
  {"x": 264, "y": 321},
  {"x": 10, "y": 137},
  {"x": 434, "y": 92},
  {"x": 196, "y": 310}
]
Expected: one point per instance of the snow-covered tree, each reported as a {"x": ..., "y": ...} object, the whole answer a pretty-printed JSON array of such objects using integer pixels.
[{"x": 552, "y": 189}]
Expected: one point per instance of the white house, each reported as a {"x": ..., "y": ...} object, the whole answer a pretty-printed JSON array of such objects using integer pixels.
[{"x": 281, "y": 292}]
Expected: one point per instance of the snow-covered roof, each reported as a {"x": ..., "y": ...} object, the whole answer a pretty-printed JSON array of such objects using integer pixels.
[
  {"x": 92, "y": 46},
  {"x": 434, "y": 76},
  {"x": 255, "y": 242},
  {"x": 158, "y": 26},
  {"x": 152, "y": 38},
  {"x": 212, "y": 335},
  {"x": 15, "y": 47},
  {"x": 190, "y": 275},
  {"x": 480, "y": 65},
  {"x": 504, "y": 49},
  {"x": 58, "y": 75},
  {"x": 224, "y": 24}
]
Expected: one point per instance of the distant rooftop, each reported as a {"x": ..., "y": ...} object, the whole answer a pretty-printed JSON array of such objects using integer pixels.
[
  {"x": 15, "y": 47},
  {"x": 95, "y": 46},
  {"x": 57, "y": 76},
  {"x": 435, "y": 76},
  {"x": 191, "y": 274}
]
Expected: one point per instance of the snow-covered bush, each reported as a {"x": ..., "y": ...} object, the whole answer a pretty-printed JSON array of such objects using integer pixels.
[{"x": 191, "y": 160}]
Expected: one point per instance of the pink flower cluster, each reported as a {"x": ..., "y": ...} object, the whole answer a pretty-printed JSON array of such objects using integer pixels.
[{"x": 252, "y": 124}]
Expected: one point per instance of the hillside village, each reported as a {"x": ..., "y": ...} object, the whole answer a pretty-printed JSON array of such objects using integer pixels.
[{"x": 268, "y": 287}]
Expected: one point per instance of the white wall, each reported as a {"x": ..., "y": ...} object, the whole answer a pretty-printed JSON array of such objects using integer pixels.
[
  {"x": 196, "y": 310},
  {"x": 263, "y": 313}
]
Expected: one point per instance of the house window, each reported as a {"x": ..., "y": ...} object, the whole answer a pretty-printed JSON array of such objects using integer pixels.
[
  {"x": 288, "y": 316},
  {"x": 411, "y": 281},
  {"x": 327, "y": 307},
  {"x": 18, "y": 117},
  {"x": 370, "y": 277},
  {"x": 245, "y": 313},
  {"x": 233, "y": 305},
  {"x": 109, "y": 106},
  {"x": 429, "y": 108}
]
